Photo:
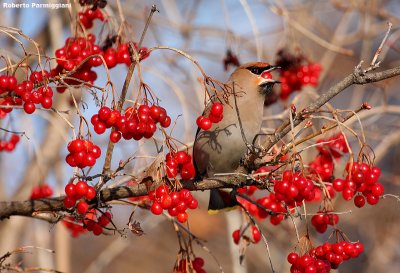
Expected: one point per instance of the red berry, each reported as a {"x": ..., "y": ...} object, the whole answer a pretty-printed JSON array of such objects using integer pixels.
[
  {"x": 104, "y": 113},
  {"x": 198, "y": 263},
  {"x": 110, "y": 56},
  {"x": 182, "y": 217},
  {"x": 359, "y": 201},
  {"x": 96, "y": 152},
  {"x": 188, "y": 171},
  {"x": 173, "y": 211},
  {"x": 82, "y": 207},
  {"x": 193, "y": 204},
  {"x": 70, "y": 190},
  {"x": 372, "y": 199},
  {"x": 29, "y": 107},
  {"x": 205, "y": 123},
  {"x": 97, "y": 229},
  {"x": 292, "y": 258},
  {"x": 47, "y": 102},
  {"x": 377, "y": 189},
  {"x": 115, "y": 136},
  {"x": 69, "y": 202},
  {"x": 347, "y": 194},
  {"x": 156, "y": 208},
  {"x": 105, "y": 219},
  {"x": 236, "y": 236},
  {"x": 166, "y": 201},
  {"x": 166, "y": 122},
  {"x": 90, "y": 193},
  {"x": 217, "y": 109},
  {"x": 182, "y": 158},
  {"x": 256, "y": 234},
  {"x": 81, "y": 188},
  {"x": 100, "y": 127}
]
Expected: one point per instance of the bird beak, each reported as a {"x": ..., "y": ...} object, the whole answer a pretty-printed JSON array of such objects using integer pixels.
[{"x": 273, "y": 67}]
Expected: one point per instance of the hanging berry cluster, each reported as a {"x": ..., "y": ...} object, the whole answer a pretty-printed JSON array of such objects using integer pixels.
[
  {"x": 137, "y": 122},
  {"x": 183, "y": 266},
  {"x": 10, "y": 144},
  {"x": 295, "y": 72},
  {"x": 91, "y": 222},
  {"x": 24, "y": 94},
  {"x": 41, "y": 191},
  {"x": 87, "y": 17},
  {"x": 322, "y": 219},
  {"x": 97, "y": 226},
  {"x": 315, "y": 183},
  {"x": 180, "y": 162},
  {"x": 361, "y": 182},
  {"x": 238, "y": 234},
  {"x": 78, "y": 194},
  {"x": 215, "y": 115},
  {"x": 176, "y": 202},
  {"x": 198, "y": 264},
  {"x": 82, "y": 153},
  {"x": 324, "y": 258},
  {"x": 332, "y": 148}
]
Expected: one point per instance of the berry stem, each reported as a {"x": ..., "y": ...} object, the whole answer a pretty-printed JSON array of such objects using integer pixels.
[{"x": 135, "y": 59}]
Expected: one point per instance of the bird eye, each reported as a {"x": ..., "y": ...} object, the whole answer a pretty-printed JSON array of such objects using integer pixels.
[{"x": 255, "y": 70}]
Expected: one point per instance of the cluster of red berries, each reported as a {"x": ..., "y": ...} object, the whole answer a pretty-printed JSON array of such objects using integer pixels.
[
  {"x": 294, "y": 188},
  {"x": 324, "y": 258},
  {"x": 322, "y": 165},
  {"x": 90, "y": 222},
  {"x": 270, "y": 203},
  {"x": 136, "y": 123},
  {"x": 295, "y": 78},
  {"x": 43, "y": 95},
  {"x": 7, "y": 85},
  {"x": 121, "y": 55},
  {"x": 363, "y": 181},
  {"x": 96, "y": 226},
  {"x": 41, "y": 191},
  {"x": 180, "y": 162},
  {"x": 9, "y": 145},
  {"x": 198, "y": 264},
  {"x": 322, "y": 219},
  {"x": 78, "y": 192},
  {"x": 335, "y": 146},
  {"x": 215, "y": 115},
  {"x": 82, "y": 153},
  {"x": 104, "y": 119},
  {"x": 76, "y": 228},
  {"x": 248, "y": 190},
  {"x": 255, "y": 232},
  {"x": 176, "y": 202},
  {"x": 295, "y": 73},
  {"x": 183, "y": 265},
  {"x": 89, "y": 15},
  {"x": 72, "y": 54}
]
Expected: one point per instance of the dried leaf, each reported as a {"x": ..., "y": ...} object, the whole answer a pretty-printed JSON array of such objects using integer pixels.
[{"x": 136, "y": 228}]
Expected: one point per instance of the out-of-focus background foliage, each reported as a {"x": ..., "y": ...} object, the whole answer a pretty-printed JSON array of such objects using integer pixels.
[{"x": 324, "y": 31}]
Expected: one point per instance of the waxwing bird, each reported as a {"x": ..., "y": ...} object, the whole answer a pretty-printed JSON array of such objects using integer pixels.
[{"x": 220, "y": 149}]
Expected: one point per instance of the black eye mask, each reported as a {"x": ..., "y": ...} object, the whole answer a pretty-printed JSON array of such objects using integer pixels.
[{"x": 258, "y": 70}]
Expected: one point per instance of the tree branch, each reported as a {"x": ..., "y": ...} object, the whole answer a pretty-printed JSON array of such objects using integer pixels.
[
  {"x": 32, "y": 207},
  {"x": 357, "y": 77}
]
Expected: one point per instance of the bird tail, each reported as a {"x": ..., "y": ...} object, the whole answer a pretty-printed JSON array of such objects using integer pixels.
[{"x": 222, "y": 200}]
